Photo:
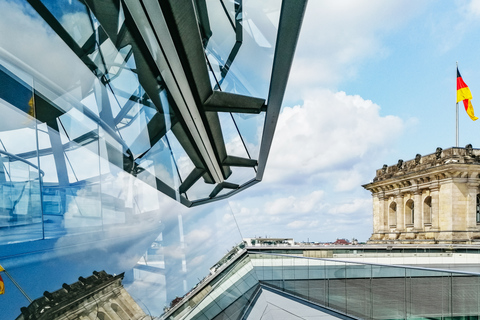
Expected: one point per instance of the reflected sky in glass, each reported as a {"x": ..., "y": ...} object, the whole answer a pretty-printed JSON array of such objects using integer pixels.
[{"x": 103, "y": 162}]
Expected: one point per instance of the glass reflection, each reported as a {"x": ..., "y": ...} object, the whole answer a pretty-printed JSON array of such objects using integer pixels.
[
  {"x": 250, "y": 127},
  {"x": 251, "y": 29},
  {"x": 85, "y": 149}
]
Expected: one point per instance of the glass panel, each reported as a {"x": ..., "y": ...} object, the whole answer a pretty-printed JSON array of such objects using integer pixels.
[
  {"x": 116, "y": 197},
  {"x": 336, "y": 285},
  {"x": 427, "y": 294},
  {"x": 20, "y": 203},
  {"x": 358, "y": 290},
  {"x": 199, "y": 190},
  {"x": 74, "y": 17},
  {"x": 20, "y": 193},
  {"x": 388, "y": 292},
  {"x": 223, "y": 36},
  {"x": 465, "y": 295},
  {"x": 250, "y": 127},
  {"x": 318, "y": 282},
  {"x": 133, "y": 127},
  {"x": 159, "y": 162},
  {"x": 252, "y": 76},
  {"x": 233, "y": 141},
  {"x": 184, "y": 164}
]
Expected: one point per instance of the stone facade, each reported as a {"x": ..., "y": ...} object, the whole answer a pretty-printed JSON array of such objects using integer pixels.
[
  {"x": 430, "y": 199},
  {"x": 100, "y": 296}
]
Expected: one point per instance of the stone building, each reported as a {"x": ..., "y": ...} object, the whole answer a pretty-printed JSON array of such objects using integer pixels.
[
  {"x": 99, "y": 296},
  {"x": 430, "y": 199}
]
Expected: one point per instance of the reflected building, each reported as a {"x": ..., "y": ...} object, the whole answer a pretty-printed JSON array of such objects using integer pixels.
[
  {"x": 99, "y": 296},
  {"x": 117, "y": 115}
]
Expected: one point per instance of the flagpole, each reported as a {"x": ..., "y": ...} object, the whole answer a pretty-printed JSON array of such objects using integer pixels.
[
  {"x": 456, "y": 135},
  {"x": 17, "y": 285},
  {"x": 456, "y": 121}
]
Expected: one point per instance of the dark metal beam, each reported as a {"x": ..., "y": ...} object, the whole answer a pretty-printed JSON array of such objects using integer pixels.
[
  {"x": 183, "y": 27},
  {"x": 225, "y": 196},
  {"x": 221, "y": 101},
  {"x": 291, "y": 18},
  {"x": 191, "y": 179},
  {"x": 239, "y": 162},
  {"x": 216, "y": 136},
  {"x": 224, "y": 185}
]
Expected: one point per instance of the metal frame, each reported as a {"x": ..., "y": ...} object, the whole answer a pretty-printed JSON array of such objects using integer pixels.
[
  {"x": 291, "y": 18},
  {"x": 168, "y": 33}
]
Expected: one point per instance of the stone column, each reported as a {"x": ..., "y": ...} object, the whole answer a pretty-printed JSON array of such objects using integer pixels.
[
  {"x": 418, "y": 210},
  {"x": 129, "y": 303},
  {"x": 93, "y": 315},
  {"x": 386, "y": 211},
  {"x": 376, "y": 212},
  {"x": 381, "y": 211},
  {"x": 111, "y": 313},
  {"x": 472, "y": 206},
  {"x": 400, "y": 211},
  {"x": 434, "y": 193}
]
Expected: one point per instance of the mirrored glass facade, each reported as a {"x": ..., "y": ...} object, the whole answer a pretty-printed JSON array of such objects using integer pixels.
[{"x": 118, "y": 115}]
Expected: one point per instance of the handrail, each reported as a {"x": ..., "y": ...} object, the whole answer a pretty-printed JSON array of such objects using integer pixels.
[
  {"x": 370, "y": 263},
  {"x": 22, "y": 160}
]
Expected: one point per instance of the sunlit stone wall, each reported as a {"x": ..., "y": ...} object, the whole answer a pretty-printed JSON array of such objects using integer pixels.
[{"x": 430, "y": 199}]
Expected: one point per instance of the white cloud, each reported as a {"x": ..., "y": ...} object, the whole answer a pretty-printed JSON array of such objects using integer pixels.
[
  {"x": 198, "y": 235},
  {"x": 474, "y": 7},
  {"x": 351, "y": 207},
  {"x": 331, "y": 131},
  {"x": 323, "y": 151},
  {"x": 294, "y": 205}
]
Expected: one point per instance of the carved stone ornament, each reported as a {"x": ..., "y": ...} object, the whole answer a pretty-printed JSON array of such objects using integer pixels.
[
  {"x": 469, "y": 150},
  {"x": 417, "y": 158},
  {"x": 400, "y": 164}
]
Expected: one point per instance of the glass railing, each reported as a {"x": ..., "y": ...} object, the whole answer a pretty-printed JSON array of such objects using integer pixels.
[
  {"x": 20, "y": 201},
  {"x": 225, "y": 295},
  {"x": 359, "y": 290},
  {"x": 371, "y": 291}
]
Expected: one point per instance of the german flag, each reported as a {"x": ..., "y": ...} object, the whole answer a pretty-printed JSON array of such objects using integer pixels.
[
  {"x": 464, "y": 94},
  {"x": 2, "y": 284}
]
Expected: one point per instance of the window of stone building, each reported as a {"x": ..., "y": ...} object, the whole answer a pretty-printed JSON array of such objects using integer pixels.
[
  {"x": 409, "y": 212},
  {"x": 427, "y": 211},
  {"x": 103, "y": 316},
  {"x": 120, "y": 312},
  {"x": 478, "y": 208},
  {"x": 392, "y": 214}
]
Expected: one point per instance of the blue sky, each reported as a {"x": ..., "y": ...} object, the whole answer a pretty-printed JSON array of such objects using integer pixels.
[{"x": 372, "y": 82}]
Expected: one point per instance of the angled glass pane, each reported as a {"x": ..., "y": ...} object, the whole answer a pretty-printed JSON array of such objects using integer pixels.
[
  {"x": 199, "y": 190},
  {"x": 233, "y": 141},
  {"x": 250, "y": 127},
  {"x": 252, "y": 76},
  {"x": 223, "y": 39},
  {"x": 182, "y": 160},
  {"x": 159, "y": 162},
  {"x": 74, "y": 17}
]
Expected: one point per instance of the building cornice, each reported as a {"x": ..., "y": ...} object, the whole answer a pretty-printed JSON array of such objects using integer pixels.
[{"x": 454, "y": 164}]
